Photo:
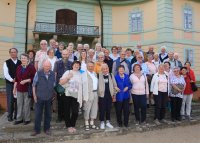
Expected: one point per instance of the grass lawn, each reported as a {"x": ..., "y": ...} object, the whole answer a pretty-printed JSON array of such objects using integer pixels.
[{"x": 2, "y": 82}]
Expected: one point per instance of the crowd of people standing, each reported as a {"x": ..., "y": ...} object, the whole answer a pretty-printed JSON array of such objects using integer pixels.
[{"x": 93, "y": 80}]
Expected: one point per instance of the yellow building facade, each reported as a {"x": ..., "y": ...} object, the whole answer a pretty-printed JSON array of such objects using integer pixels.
[{"x": 174, "y": 23}]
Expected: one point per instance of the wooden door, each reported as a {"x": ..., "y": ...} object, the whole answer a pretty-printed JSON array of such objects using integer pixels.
[{"x": 66, "y": 21}]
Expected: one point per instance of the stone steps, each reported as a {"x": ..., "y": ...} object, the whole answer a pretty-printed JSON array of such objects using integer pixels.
[{"x": 21, "y": 133}]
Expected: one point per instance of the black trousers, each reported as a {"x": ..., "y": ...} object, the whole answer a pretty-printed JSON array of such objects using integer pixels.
[
  {"x": 140, "y": 107},
  {"x": 71, "y": 108},
  {"x": 176, "y": 104},
  {"x": 60, "y": 106},
  {"x": 160, "y": 105},
  {"x": 11, "y": 101},
  {"x": 122, "y": 106},
  {"x": 105, "y": 105}
]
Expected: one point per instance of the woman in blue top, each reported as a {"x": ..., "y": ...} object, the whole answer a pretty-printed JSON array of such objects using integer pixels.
[{"x": 122, "y": 97}]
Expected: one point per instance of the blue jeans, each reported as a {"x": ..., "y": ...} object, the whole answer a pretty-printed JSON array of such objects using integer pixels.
[
  {"x": 11, "y": 101},
  {"x": 39, "y": 106},
  {"x": 140, "y": 107}
]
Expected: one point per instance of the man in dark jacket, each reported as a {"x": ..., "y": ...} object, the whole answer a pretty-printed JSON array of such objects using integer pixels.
[
  {"x": 9, "y": 69},
  {"x": 43, "y": 90}
]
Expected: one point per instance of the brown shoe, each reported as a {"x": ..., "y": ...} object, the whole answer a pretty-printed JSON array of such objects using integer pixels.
[{"x": 35, "y": 134}]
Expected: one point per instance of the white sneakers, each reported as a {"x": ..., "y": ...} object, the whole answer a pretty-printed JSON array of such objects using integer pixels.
[
  {"x": 102, "y": 126},
  {"x": 108, "y": 125}
]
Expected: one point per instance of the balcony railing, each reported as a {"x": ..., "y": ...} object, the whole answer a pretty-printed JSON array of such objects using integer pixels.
[{"x": 77, "y": 30}]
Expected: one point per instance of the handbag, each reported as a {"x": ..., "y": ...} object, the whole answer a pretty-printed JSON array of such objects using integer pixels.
[
  {"x": 193, "y": 85},
  {"x": 59, "y": 89},
  {"x": 175, "y": 91}
]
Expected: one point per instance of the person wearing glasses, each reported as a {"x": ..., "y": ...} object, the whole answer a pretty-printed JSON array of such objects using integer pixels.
[
  {"x": 114, "y": 55},
  {"x": 122, "y": 61},
  {"x": 144, "y": 67},
  {"x": 41, "y": 55},
  {"x": 177, "y": 88}
]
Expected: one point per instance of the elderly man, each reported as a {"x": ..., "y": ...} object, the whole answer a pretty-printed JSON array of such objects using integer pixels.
[
  {"x": 60, "y": 68},
  {"x": 143, "y": 54},
  {"x": 176, "y": 57},
  {"x": 163, "y": 55},
  {"x": 9, "y": 70},
  {"x": 53, "y": 44},
  {"x": 41, "y": 55},
  {"x": 86, "y": 47},
  {"x": 145, "y": 69},
  {"x": 43, "y": 90},
  {"x": 122, "y": 61},
  {"x": 90, "y": 97},
  {"x": 150, "y": 51},
  {"x": 173, "y": 62}
]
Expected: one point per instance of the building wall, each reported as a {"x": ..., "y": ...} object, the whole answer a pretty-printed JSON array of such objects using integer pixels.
[
  {"x": 187, "y": 39},
  {"x": 121, "y": 24},
  {"x": 7, "y": 28}
]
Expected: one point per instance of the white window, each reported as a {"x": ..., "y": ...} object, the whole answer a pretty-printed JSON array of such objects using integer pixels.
[
  {"x": 187, "y": 18},
  {"x": 189, "y": 56},
  {"x": 136, "y": 22}
]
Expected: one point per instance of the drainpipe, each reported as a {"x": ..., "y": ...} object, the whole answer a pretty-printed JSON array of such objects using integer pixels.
[
  {"x": 27, "y": 15},
  {"x": 100, "y": 5}
]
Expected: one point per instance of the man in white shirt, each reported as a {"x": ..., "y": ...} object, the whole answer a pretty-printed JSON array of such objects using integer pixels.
[{"x": 9, "y": 70}]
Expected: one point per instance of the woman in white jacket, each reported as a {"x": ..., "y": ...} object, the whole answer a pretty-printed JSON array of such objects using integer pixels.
[{"x": 160, "y": 89}]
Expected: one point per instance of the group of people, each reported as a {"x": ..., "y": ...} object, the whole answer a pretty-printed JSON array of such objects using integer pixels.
[{"x": 93, "y": 80}]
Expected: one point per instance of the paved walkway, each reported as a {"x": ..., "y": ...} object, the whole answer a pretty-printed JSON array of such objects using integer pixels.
[{"x": 186, "y": 134}]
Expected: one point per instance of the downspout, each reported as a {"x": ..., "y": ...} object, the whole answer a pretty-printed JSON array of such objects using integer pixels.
[
  {"x": 100, "y": 5},
  {"x": 27, "y": 15}
]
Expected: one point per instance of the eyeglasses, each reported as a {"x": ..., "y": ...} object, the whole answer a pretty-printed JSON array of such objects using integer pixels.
[
  {"x": 139, "y": 57},
  {"x": 176, "y": 70}
]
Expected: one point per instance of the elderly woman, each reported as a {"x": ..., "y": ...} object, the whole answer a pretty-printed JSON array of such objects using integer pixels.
[
  {"x": 97, "y": 67},
  {"x": 108, "y": 60},
  {"x": 51, "y": 57},
  {"x": 72, "y": 56},
  {"x": 114, "y": 55},
  {"x": 140, "y": 92},
  {"x": 98, "y": 49},
  {"x": 91, "y": 57},
  {"x": 123, "y": 96},
  {"x": 188, "y": 93},
  {"x": 72, "y": 82},
  {"x": 177, "y": 88},
  {"x": 61, "y": 47},
  {"x": 136, "y": 52},
  {"x": 152, "y": 70},
  {"x": 90, "y": 97},
  {"x": 160, "y": 90},
  {"x": 24, "y": 76},
  {"x": 106, "y": 91},
  {"x": 156, "y": 60}
]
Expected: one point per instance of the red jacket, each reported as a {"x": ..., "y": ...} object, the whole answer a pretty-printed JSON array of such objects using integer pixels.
[
  {"x": 27, "y": 74},
  {"x": 188, "y": 89}
]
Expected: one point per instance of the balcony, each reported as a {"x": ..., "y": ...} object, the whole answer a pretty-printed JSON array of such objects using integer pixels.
[{"x": 62, "y": 29}]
